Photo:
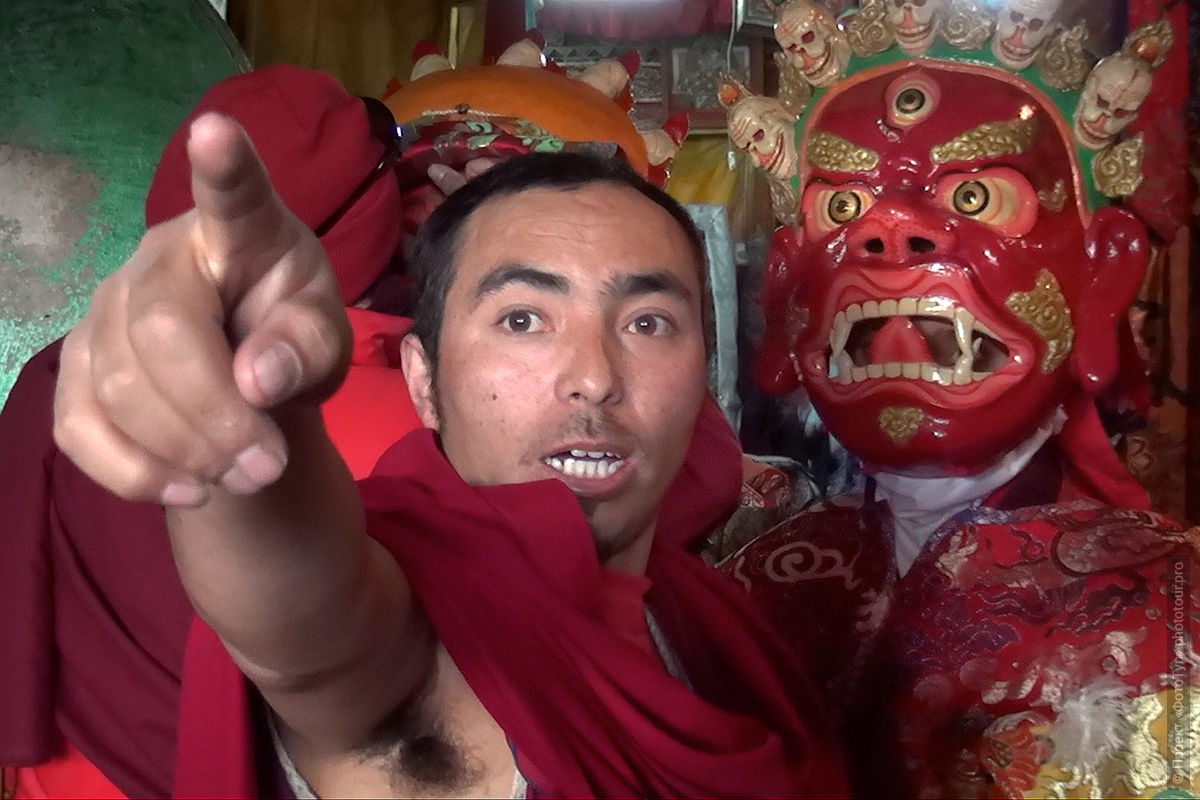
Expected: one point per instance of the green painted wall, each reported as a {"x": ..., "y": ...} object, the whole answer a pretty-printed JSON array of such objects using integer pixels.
[{"x": 89, "y": 94}]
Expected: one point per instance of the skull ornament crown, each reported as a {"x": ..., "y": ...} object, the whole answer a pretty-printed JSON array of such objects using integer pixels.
[{"x": 1027, "y": 38}]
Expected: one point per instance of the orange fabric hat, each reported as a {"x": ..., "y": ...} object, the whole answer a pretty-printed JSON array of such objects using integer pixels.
[{"x": 567, "y": 108}]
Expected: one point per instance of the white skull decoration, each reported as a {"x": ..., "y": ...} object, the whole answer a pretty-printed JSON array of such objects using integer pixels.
[
  {"x": 1111, "y": 97},
  {"x": 810, "y": 36},
  {"x": 1021, "y": 27},
  {"x": 915, "y": 22},
  {"x": 763, "y": 128}
]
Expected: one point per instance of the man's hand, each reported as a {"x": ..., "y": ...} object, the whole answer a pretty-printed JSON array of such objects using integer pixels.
[{"x": 219, "y": 316}]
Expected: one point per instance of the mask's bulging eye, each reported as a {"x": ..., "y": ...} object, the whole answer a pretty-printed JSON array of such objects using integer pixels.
[
  {"x": 999, "y": 197},
  {"x": 827, "y": 207},
  {"x": 844, "y": 206},
  {"x": 910, "y": 101},
  {"x": 970, "y": 198},
  {"x": 910, "y": 98}
]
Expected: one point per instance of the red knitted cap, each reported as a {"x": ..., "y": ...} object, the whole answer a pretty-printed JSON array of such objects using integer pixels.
[{"x": 316, "y": 143}]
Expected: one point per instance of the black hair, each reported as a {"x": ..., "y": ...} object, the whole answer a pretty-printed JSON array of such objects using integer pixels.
[{"x": 439, "y": 239}]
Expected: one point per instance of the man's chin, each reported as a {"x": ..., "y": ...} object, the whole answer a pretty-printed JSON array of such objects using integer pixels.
[{"x": 610, "y": 540}]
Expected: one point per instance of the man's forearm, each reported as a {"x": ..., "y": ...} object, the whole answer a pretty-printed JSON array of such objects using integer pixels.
[{"x": 309, "y": 607}]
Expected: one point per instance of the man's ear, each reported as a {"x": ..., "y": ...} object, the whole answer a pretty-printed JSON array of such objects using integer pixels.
[
  {"x": 418, "y": 373},
  {"x": 1117, "y": 252}
]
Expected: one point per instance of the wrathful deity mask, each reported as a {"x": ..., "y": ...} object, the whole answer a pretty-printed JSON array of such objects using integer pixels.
[{"x": 949, "y": 285}]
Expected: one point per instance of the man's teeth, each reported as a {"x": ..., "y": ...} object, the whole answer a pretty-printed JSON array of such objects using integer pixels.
[
  {"x": 586, "y": 463},
  {"x": 968, "y": 334}
]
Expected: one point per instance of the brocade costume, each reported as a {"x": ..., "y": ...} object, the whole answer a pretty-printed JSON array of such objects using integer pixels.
[{"x": 1044, "y": 650}]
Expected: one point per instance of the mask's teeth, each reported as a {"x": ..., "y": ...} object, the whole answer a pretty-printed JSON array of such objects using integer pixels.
[
  {"x": 964, "y": 326},
  {"x": 962, "y": 369},
  {"x": 838, "y": 335},
  {"x": 845, "y": 366}
]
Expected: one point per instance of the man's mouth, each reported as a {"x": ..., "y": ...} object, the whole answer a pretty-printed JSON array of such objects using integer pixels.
[
  {"x": 928, "y": 339},
  {"x": 585, "y": 464}
]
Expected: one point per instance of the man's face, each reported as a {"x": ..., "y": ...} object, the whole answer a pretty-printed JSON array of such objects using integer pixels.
[
  {"x": 572, "y": 348},
  {"x": 943, "y": 257}
]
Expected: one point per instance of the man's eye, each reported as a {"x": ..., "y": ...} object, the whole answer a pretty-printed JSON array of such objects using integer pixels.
[
  {"x": 522, "y": 321},
  {"x": 650, "y": 325}
]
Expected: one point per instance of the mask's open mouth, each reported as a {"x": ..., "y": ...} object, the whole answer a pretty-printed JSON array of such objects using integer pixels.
[{"x": 924, "y": 339}]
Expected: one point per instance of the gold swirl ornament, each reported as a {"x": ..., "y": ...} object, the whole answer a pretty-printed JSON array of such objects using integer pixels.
[
  {"x": 867, "y": 29},
  {"x": 1061, "y": 60},
  {"x": 900, "y": 423},
  {"x": 1045, "y": 310},
  {"x": 1117, "y": 169},
  {"x": 968, "y": 25}
]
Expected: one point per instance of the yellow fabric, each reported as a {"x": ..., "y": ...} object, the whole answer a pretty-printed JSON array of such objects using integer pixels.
[
  {"x": 701, "y": 172},
  {"x": 1159, "y": 756},
  {"x": 364, "y": 43}
]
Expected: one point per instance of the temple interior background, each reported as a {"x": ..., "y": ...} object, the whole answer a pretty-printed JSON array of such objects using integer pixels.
[{"x": 90, "y": 91}]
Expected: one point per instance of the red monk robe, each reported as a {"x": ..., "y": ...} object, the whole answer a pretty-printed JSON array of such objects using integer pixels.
[
  {"x": 94, "y": 615},
  {"x": 113, "y": 648}
]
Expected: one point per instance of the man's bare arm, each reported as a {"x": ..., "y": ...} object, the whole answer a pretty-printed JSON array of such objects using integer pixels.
[{"x": 195, "y": 380}]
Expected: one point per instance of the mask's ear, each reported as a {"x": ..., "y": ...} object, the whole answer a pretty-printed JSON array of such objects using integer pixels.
[
  {"x": 1118, "y": 251},
  {"x": 418, "y": 373}
]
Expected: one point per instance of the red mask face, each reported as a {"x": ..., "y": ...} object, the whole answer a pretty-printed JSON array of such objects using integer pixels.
[{"x": 931, "y": 305}]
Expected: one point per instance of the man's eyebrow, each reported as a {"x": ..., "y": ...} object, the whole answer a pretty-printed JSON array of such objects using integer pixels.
[
  {"x": 641, "y": 283},
  {"x": 509, "y": 274}
]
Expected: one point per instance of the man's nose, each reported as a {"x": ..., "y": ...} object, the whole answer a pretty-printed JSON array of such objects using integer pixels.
[
  {"x": 591, "y": 371},
  {"x": 900, "y": 235}
]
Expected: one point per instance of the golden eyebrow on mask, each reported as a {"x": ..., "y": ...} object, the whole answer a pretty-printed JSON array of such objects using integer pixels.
[
  {"x": 832, "y": 152},
  {"x": 989, "y": 140}
]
